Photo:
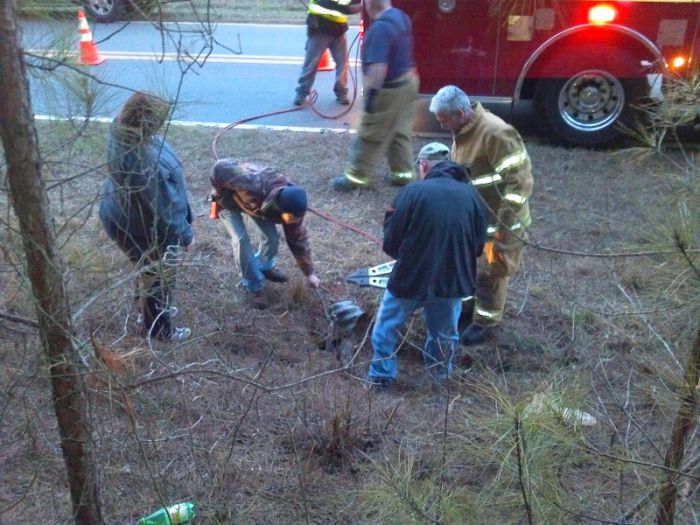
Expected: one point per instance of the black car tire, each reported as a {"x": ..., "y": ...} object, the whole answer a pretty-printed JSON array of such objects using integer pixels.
[
  {"x": 105, "y": 10},
  {"x": 112, "y": 10}
]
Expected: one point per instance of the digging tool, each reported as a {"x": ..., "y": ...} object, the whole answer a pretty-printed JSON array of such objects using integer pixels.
[{"x": 376, "y": 276}]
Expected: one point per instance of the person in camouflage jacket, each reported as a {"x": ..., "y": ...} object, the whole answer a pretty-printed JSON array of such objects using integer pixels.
[
  {"x": 501, "y": 171},
  {"x": 268, "y": 198}
]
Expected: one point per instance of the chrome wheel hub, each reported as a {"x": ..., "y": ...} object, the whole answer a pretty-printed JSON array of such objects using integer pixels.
[
  {"x": 102, "y": 7},
  {"x": 591, "y": 100}
]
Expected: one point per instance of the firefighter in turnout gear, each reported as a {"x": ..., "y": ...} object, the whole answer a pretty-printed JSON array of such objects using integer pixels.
[
  {"x": 502, "y": 173},
  {"x": 327, "y": 23},
  {"x": 390, "y": 90}
]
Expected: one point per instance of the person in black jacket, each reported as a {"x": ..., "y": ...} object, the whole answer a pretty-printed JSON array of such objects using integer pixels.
[
  {"x": 435, "y": 229},
  {"x": 145, "y": 209}
]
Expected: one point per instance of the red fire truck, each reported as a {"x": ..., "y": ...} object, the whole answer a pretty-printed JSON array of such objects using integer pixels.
[{"x": 583, "y": 63}]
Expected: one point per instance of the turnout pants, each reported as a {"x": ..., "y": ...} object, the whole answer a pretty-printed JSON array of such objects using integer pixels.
[
  {"x": 316, "y": 45},
  {"x": 500, "y": 260},
  {"x": 386, "y": 130}
]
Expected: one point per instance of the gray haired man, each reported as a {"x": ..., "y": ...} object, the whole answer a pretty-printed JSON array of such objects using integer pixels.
[{"x": 500, "y": 170}]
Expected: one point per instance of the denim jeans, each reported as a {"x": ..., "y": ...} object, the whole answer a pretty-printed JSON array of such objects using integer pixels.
[
  {"x": 441, "y": 317},
  {"x": 253, "y": 264},
  {"x": 316, "y": 45}
]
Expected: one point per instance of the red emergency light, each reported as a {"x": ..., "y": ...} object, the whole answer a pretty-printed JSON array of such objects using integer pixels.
[{"x": 602, "y": 14}]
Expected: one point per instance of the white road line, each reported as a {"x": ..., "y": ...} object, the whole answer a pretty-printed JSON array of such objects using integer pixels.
[
  {"x": 173, "y": 57},
  {"x": 218, "y": 125}
]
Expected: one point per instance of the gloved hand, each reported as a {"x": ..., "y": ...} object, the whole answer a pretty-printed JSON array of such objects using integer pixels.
[{"x": 371, "y": 100}]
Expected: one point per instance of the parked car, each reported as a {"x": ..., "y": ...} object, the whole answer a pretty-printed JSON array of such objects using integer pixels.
[
  {"x": 97, "y": 10},
  {"x": 110, "y": 10}
]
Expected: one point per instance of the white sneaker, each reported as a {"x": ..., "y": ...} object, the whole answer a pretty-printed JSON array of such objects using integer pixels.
[{"x": 180, "y": 333}]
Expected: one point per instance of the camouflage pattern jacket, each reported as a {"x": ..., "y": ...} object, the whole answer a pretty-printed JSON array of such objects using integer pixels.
[{"x": 254, "y": 192}]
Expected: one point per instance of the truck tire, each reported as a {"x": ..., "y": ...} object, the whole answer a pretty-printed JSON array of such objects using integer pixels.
[{"x": 588, "y": 108}]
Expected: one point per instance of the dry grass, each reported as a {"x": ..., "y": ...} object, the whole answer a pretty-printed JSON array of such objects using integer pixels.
[{"x": 251, "y": 420}]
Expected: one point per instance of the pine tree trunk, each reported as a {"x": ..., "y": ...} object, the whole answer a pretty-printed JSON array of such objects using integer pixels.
[
  {"x": 30, "y": 203},
  {"x": 682, "y": 427}
]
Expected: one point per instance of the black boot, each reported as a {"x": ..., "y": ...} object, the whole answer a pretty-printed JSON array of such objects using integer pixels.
[
  {"x": 156, "y": 317},
  {"x": 465, "y": 317},
  {"x": 475, "y": 334}
]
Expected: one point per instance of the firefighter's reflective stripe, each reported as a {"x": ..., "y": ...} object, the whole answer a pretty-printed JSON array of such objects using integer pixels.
[
  {"x": 488, "y": 314},
  {"x": 486, "y": 180},
  {"x": 512, "y": 161},
  {"x": 402, "y": 175},
  {"x": 492, "y": 229},
  {"x": 330, "y": 14},
  {"x": 355, "y": 180},
  {"x": 468, "y": 298},
  {"x": 515, "y": 198}
]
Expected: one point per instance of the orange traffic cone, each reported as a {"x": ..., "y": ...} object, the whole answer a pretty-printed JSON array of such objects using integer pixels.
[
  {"x": 326, "y": 64},
  {"x": 88, "y": 50}
]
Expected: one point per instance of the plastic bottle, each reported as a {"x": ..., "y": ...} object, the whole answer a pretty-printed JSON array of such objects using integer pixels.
[{"x": 172, "y": 515}]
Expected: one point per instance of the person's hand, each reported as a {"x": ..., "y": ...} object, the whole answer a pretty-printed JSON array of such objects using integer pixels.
[{"x": 313, "y": 281}]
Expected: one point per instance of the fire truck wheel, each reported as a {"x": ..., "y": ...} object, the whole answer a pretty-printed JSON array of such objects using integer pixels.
[{"x": 587, "y": 108}]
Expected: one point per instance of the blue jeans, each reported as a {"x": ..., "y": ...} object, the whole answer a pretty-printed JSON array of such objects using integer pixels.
[
  {"x": 441, "y": 317},
  {"x": 316, "y": 44},
  {"x": 253, "y": 264}
]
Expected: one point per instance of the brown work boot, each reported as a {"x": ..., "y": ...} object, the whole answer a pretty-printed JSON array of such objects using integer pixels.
[
  {"x": 276, "y": 276},
  {"x": 257, "y": 300}
]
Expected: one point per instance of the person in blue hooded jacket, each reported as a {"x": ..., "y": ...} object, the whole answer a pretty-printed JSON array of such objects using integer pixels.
[{"x": 145, "y": 208}]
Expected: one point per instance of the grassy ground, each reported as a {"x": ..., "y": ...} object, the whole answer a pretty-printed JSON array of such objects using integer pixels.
[
  {"x": 262, "y": 416},
  {"x": 257, "y": 420}
]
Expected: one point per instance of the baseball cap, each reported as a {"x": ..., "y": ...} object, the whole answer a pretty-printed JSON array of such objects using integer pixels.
[
  {"x": 434, "y": 151},
  {"x": 292, "y": 199}
]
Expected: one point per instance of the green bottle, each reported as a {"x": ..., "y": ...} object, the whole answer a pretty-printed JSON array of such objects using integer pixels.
[{"x": 172, "y": 515}]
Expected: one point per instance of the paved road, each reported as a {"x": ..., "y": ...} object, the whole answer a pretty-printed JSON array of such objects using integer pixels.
[
  {"x": 236, "y": 72},
  {"x": 240, "y": 71}
]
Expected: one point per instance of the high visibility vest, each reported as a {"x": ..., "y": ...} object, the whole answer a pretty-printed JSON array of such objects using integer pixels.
[{"x": 327, "y": 12}]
